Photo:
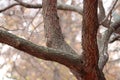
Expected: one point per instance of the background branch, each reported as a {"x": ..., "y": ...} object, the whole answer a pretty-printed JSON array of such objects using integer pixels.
[
  {"x": 65, "y": 7},
  {"x": 103, "y": 44},
  {"x": 110, "y": 12},
  {"x": 116, "y": 38}
]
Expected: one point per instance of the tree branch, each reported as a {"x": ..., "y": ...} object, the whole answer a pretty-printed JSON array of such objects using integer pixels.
[
  {"x": 8, "y": 7},
  {"x": 39, "y": 51},
  {"x": 115, "y": 38},
  {"x": 110, "y": 12},
  {"x": 103, "y": 45},
  {"x": 59, "y": 6},
  {"x": 101, "y": 10}
]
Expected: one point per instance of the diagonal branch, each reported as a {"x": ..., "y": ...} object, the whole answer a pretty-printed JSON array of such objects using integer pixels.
[
  {"x": 110, "y": 12},
  {"x": 59, "y": 6},
  {"x": 8, "y": 7},
  {"x": 39, "y": 51},
  {"x": 116, "y": 38},
  {"x": 103, "y": 45}
]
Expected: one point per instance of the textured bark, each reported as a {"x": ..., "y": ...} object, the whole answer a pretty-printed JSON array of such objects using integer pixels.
[
  {"x": 39, "y": 51},
  {"x": 69, "y": 8},
  {"x": 55, "y": 38},
  {"x": 89, "y": 40},
  {"x": 61, "y": 7},
  {"x": 87, "y": 70},
  {"x": 52, "y": 27},
  {"x": 54, "y": 34}
]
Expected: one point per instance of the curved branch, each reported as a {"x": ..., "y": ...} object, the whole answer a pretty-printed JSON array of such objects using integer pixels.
[
  {"x": 8, "y": 7},
  {"x": 41, "y": 52},
  {"x": 59, "y": 6},
  {"x": 116, "y": 38},
  {"x": 103, "y": 45},
  {"x": 103, "y": 42},
  {"x": 69, "y": 8}
]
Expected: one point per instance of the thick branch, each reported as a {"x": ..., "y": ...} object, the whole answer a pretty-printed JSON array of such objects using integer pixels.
[{"x": 39, "y": 51}]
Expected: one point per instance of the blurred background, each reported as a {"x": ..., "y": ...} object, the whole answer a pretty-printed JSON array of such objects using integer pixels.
[{"x": 28, "y": 24}]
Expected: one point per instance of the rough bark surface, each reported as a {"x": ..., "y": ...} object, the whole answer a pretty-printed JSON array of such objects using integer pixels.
[
  {"x": 39, "y": 51},
  {"x": 89, "y": 40},
  {"x": 60, "y": 7},
  {"x": 83, "y": 70},
  {"x": 53, "y": 31},
  {"x": 52, "y": 27}
]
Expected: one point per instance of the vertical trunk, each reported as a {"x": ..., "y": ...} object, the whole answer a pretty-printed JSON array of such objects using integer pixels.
[
  {"x": 89, "y": 41},
  {"x": 52, "y": 27},
  {"x": 55, "y": 38},
  {"x": 53, "y": 31}
]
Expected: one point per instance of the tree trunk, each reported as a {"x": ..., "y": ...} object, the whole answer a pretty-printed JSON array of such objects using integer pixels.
[
  {"x": 52, "y": 27},
  {"x": 89, "y": 41},
  {"x": 55, "y": 39},
  {"x": 85, "y": 69},
  {"x": 53, "y": 31}
]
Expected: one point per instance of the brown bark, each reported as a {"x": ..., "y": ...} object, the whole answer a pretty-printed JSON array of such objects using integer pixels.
[
  {"x": 55, "y": 38},
  {"x": 54, "y": 34},
  {"x": 87, "y": 71},
  {"x": 52, "y": 27},
  {"x": 62, "y": 7},
  {"x": 89, "y": 40},
  {"x": 38, "y": 51}
]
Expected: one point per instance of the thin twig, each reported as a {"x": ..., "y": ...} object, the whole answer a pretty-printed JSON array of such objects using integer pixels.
[
  {"x": 110, "y": 12},
  {"x": 8, "y": 7},
  {"x": 6, "y": 29},
  {"x": 34, "y": 30}
]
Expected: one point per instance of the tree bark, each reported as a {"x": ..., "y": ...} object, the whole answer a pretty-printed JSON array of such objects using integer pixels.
[
  {"x": 54, "y": 34},
  {"x": 52, "y": 27},
  {"x": 85, "y": 69},
  {"x": 89, "y": 41}
]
